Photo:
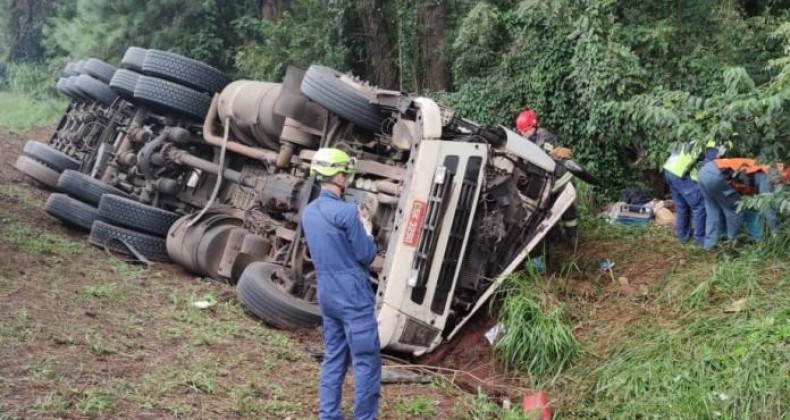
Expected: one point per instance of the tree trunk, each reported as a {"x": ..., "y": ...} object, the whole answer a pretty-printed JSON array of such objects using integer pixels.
[
  {"x": 379, "y": 44},
  {"x": 272, "y": 10},
  {"x": 25, "y": 20},
  {"x": 434, "y": 63}
]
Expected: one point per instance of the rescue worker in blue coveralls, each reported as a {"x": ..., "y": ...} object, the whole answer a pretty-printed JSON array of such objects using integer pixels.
[
  {"x": 680, "y": 172},
  {"x": 342, "y": 248}
]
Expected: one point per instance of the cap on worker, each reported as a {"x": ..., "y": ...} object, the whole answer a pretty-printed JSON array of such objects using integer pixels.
[
  {"x": 328, "y": 162},
  {"x": 526, "y": 120}
]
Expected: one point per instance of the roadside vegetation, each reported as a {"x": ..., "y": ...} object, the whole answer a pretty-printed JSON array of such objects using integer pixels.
[
  {"x": 669, "y": 332},
  {"x": 20, "y": 112}
]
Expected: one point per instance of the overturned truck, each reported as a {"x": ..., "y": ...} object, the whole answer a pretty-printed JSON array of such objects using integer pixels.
[{"x": 213, "y": 175}]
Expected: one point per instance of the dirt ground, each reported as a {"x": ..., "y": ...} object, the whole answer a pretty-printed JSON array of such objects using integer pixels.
[{"x": 84, "y": 334}]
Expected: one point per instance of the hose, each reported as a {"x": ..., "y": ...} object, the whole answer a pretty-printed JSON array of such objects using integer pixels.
[{"x": 217, "y": 185}]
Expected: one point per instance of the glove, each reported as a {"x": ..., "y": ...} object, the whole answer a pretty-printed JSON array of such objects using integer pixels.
[
  {"x": 367, "y": 225},
  {"x": 364, "y": 218},
  {"x": 561, "y": 153}
]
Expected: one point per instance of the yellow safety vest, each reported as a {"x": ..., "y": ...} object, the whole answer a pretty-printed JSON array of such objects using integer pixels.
[{"x": 682, "y": 156}]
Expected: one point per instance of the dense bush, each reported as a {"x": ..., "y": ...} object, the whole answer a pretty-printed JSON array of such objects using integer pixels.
[{"x": 617, "y": 80}]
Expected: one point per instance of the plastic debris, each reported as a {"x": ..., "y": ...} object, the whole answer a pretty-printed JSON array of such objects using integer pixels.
[
  {"x": 736, "y": 306},
  {"x": 203, "y": 304},
  {"x": 534, "y": 402},
  {"x": 494, "y": 333},
  {"x": 605, "y": 265}
]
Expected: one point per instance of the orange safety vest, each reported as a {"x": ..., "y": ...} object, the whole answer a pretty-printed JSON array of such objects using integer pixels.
[{"x": 746, "y": 165}]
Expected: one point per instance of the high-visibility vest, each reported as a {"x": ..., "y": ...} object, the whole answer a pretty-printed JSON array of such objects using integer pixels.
[
  {"x": 681, "y": 158},
  {"x": 745, "y": 165}
]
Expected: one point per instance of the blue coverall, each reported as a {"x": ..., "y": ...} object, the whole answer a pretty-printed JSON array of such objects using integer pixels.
[
  {"x": 757, "y": 222},
  {"x": 720, "y": 205},
  {"x": 341, "y": 251},
  {"x": 688, "y": 200}
]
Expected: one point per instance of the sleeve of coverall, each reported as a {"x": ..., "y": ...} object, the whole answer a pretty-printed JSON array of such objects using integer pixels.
[{"x": 365, "y": 248}]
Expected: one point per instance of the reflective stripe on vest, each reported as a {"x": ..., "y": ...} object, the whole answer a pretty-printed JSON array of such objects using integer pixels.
[{"x": 680, "y": 160}]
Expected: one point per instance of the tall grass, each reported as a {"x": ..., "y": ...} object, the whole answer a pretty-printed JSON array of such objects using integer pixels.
[
  {"x": 537, "y": 338},
  {"x": 37, "y": 80},
  {"x": 28, "y": 96},
  {"x": 698, "y": 358},
  {"x": 21, "y": 112}
]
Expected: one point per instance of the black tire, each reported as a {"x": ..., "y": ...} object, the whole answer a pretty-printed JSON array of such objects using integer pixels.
[
  {"x": 70, "y": 69},
  {"x": 95, "y": 89},
  {"x": 133, "y": 59},
  {"x": 85, "y": 188},
  {"x": 135, "y": 215},
  {"x": 61, "y": 86},
  {"x": 164, "y": 96},
  {"x": 72, "y": 91},
  {"x": 261, "y": 296},
  {"x": 123, "y": 83},
  {"x": 113, "y": 237},
  {"x": 79, "y": 67},
  {"x": 38, "y": 171},
  {"x": 54, "y": 158},
  {"x": 99, "y": 69},
  {"x": 184, "y": 71},
  {"x": 323, "y": 86},
  {"x": 71, "y": 211}
]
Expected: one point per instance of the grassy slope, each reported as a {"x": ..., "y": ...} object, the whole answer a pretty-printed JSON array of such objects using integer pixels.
[
  {"x": 20, "y": 113},
  {"x": 674, "y": 349},
  {"x": 667, "y": 351}
]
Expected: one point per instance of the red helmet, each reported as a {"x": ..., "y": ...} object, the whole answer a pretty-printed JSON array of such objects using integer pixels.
[{"x": 526, "y": 119}]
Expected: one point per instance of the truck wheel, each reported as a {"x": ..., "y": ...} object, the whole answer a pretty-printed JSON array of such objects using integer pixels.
[
  {"x": 126, "y": 212},
  {"x": 38, "y": 171},
  {"x": 71, "y": 91},
  {"x": 133, "y": 59},
  {"x": 123, "y": 83},
  {"x": 61, "y": 86},
  {"x": 258, "y": 292},
  {"x": 54, "y": 158},
  {"x": 184, "y": 71},
  {"x": 119, "y": 240},
  {"x": 95, "y": 89},
  {"x": 71, "y": 211},
  {"x": 169, "y": 97},
  {"x": 353, "y": 103},
  {"x": 70, "y": 69},
  {"x": 99, "y": 69},
  {"x": 85, "y": 188}
]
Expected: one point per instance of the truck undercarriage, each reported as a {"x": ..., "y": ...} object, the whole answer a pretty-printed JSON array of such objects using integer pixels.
[{"x": 180, "y": 164}]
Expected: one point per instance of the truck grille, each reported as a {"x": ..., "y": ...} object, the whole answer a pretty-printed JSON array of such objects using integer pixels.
[
  {"x": 458, "y": 231},
  {"x": 429, "y": 232}
]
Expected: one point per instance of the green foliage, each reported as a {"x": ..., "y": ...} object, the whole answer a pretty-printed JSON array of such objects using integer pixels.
[
  {"x": 104, "y": 29},
  {"x": 619, "y": 81},
  {"x": 478, "y": 42},
  {"x": 481, "y": 407},
  {"x": 537, "y": 338},
  {"x": 313, "y": 31},
  {"x": 419, "y": 407},
  {"x": 19, "y": 113},
  {"x": 710, "y": 341},
  {"x": 21, "y": 24}
]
